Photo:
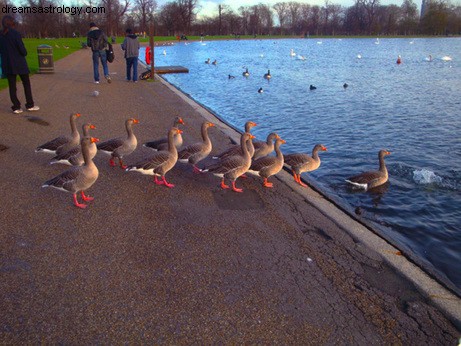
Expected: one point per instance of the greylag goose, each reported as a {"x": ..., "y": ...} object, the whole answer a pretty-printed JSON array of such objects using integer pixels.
[
  {"x": 74, "y": 156},
  {"x": 268, "y": 75},
  {"x": 265, "y": 148},
  {"x": 369, "y": 180},
  {"x": 269, "y": 165},
  {"x": 237, "y": 149},
  {"x": 162, "y": 143},
  {"x": 194, "y": 153},
  {"x": 233, "y": 167},
  {"x": 120, "y": 147},
  {"x": 300, "y": 163},
  {"x": 62, "y": 144},
  {"x": 78, "y": 178},
  {"x": 160, "y": 162}
]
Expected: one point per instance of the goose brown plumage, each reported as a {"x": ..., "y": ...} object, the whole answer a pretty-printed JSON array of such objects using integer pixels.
[
  {"x": 78, "y": 178},
  {"x": 235, "y": 166},
  {"x": 120, "y": 147},
  {"x": 160, "y": 162},
  {"x": 269, "y": 165},
  {"x": 300, "y": 163},
  {"x": 74, "y": 156},
  {"x": 371, "y": 179},
  {"x": 265, "y": 148},
  {"x": 62, "y": 144},
  {"x": 196, "y": 152},
  {"x": 162, "y": 143},
  {"x": 237, "y": 149}
]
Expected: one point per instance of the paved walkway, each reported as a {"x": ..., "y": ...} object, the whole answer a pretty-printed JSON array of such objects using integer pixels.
[{"x": 193, "y": 264}]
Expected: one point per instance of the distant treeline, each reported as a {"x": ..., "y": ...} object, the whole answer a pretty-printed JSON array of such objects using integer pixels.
[{"x": 179, "y": 17}]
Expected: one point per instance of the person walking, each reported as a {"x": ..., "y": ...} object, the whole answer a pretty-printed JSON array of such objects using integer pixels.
[
  {"x": 97, "y": 41},
  {"x": 13, "y": 53},
  {"x": 131, "y": 47}
]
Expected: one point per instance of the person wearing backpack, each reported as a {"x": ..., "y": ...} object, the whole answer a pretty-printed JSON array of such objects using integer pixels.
[
  {"x": 131, "y": 47},
  {"x": 97, "y": 41}
]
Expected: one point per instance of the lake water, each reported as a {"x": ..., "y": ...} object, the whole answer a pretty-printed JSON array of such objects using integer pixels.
[{"x": 412, "y": 109}]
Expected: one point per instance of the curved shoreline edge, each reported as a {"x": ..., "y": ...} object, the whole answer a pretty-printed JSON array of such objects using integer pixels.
[{"x": 431, "y": 288}]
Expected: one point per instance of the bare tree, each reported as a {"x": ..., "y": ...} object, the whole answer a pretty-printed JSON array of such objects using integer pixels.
[
  {"x": 409, "y": 20},
  {"x": 114, "y": 14},
  {"x": 281, "y": 8},
  {"x": 294, "y": 11},
  {"x": 144, "y": 10},
  {"x": 371, "y": 8}
]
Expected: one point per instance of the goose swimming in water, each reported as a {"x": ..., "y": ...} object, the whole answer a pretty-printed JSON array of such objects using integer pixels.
[
  {"x": 311, "y": 87},
  {"x": 268, "y": 75},
  {"x": 207, "y": 61},
  {"x": 371, "y": 179},
  {"x": 260, "y": 90},
  {"x": 246, "y": 73}
]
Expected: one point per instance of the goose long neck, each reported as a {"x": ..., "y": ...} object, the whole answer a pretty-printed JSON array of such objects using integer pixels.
[
  {"x": 85, "y": 130},
  {"x": 171, "y": 147},
  {"x": 129, "y": 129},
  {"x": 243, "y": 144},
  {"x": 315, "y": 153},
  {"x": 86, "y": 152},
  {"x": 73, "y": 125},
  {"x": 205, "y": 134},
  {"x": 382, "y": 164},
  {"x": 278, "y": 152}
]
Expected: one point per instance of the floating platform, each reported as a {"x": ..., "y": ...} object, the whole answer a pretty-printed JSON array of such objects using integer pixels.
[{"x": 170, "y": 69}]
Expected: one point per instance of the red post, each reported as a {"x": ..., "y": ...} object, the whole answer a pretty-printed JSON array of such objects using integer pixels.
[{"x": 151, "y": 43}]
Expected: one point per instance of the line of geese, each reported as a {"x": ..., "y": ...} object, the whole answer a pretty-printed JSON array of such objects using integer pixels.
[{"x": 247, "y": 157}]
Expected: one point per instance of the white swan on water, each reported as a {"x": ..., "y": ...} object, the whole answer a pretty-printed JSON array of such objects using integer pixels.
[
  {"x": 292, "y": 52},
  {"x": 446, "y": 58},
  {"x": 301, "y": 57}
]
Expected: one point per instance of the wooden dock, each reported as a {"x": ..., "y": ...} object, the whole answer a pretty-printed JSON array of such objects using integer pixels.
[{"x": 170, "y": 69}]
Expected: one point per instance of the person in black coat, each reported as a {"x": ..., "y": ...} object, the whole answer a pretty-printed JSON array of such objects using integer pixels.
[{"x": 14, "y": 63}]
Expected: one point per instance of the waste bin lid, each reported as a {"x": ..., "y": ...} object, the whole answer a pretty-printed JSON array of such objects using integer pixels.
[{"x": 44, "y": 46}]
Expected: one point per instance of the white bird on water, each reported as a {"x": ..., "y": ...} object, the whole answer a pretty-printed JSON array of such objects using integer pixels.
[
  {"x": 447, "y": 58},
  {"x": 292, "y": 52}
]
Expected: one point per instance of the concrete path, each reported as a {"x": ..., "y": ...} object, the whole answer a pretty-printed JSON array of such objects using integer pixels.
[{"x": 192, "y": 264}]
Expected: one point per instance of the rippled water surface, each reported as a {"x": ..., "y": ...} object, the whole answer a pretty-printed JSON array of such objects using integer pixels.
[{"x": 412, "y": 109}]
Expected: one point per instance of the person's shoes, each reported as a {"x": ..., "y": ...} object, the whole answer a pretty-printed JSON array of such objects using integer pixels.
[
  {"x": 135, "y": 81},
  {"x": 34, "y": 108},
  {"x": 17, "y": 111},
  {"x": 108, "y": 79},
  {"x": 96, "y": 82}
]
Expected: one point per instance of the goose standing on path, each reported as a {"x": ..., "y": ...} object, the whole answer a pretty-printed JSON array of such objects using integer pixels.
[
  {"x": 369, "y": 180},
  {"x": 269, "y": 165},
  {"x": 300, "y": 163},
  {"x": 78, "y": 178},
  {"x": 162, "y": 143},
  {"x": 237, "y": 149},
  {"x": 74, "y": 156},
  {"x": 234, "y": 166},
  {"x": 265, "y": 148},
  {"x": 196, "y": 152},
  {"x": 120, "y": 147},
  {"x": 160, "y": 162},
  {"x": 62, "y": 144}
]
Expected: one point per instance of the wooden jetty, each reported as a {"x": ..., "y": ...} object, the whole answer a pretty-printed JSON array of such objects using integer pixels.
[{"x": 170, "y": 69}]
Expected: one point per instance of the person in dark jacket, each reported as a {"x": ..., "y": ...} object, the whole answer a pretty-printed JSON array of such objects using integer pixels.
[
  {"x": 131, "y": 47},
  {"x": 14, "y": 63},
  {"x": 97, "y": 41}
]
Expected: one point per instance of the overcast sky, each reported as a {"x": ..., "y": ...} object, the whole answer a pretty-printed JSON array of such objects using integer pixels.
[{"x": 209, "y": 7}]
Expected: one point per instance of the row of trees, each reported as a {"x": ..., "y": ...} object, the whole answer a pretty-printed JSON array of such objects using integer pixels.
[{"x": 365, "y": 17}]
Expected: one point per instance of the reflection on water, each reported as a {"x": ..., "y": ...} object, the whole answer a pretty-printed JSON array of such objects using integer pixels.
[{"x": 411, "y": 108}]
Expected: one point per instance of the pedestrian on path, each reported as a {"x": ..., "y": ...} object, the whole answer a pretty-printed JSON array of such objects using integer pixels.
[
  {"x": 97, "y": 40},
  {"x": 13, "y": 53},
  {"x": 131, "y": 47}
]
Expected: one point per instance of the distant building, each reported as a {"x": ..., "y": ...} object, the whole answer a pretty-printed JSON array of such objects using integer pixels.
[{"x": 425, "y": 7}]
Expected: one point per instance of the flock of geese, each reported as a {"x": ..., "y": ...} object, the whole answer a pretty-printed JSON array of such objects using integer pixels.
[{"x": 249, "y": 156}]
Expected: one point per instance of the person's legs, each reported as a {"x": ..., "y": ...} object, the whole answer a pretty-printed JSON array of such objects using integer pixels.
[
  {"x": 135, "y": 69},
  {"x": 96, "y": 66},
  {"x": 104, "y": 64},
  {"x": 129, "y": 62},
  {"x": 13, "y": 96},
  {"x": 27, "y": 90}
]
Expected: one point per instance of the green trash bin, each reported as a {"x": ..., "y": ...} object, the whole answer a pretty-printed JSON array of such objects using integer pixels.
[{"x": 45, "y": 59}]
